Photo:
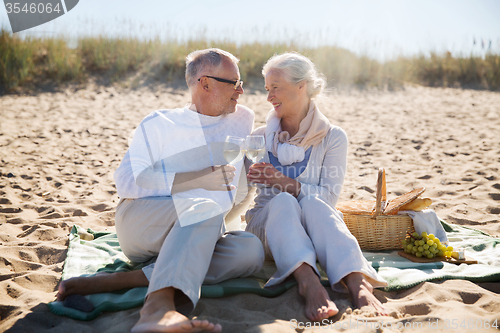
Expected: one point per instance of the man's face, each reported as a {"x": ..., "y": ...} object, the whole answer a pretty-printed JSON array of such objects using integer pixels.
[{"x": 224, "y": 97}]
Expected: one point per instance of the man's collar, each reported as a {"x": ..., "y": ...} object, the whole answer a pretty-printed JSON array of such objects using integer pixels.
[{"x": 191, "y": 107}]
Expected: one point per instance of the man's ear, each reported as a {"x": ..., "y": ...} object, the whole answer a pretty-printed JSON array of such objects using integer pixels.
[{"x": 205, "y": 83}]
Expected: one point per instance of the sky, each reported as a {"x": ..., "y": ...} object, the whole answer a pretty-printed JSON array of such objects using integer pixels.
[{"x": 382, "y": 29}]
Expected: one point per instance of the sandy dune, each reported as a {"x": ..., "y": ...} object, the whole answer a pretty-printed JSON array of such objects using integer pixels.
[{"x": 59, "y": 151}]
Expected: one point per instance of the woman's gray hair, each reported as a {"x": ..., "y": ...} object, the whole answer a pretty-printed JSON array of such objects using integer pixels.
[
  {"x": 200, "y": 60},
  {"x": 297, "y": 68}
]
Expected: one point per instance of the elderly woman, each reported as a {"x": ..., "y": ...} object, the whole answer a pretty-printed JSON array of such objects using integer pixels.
[{"x": 303, "y": 172}]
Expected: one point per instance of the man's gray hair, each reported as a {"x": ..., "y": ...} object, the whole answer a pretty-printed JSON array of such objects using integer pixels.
[
  {"x": 297, "y": 68},
  {"x": 200, "y": 60}
]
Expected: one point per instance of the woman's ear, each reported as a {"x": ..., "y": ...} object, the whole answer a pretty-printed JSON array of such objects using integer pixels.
[{"x": 302, "y": 84}]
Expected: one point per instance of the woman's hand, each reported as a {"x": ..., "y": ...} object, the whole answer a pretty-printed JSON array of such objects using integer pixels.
[{"x": 266, "y": 173}]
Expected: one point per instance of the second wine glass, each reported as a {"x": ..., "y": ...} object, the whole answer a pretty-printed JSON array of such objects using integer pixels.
[{"x": 255, "y": 147}]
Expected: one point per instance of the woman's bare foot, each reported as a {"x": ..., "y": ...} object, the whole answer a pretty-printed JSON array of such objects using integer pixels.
[
  {"x": 101, "y": 283},
  {"x": 362, "y": 293},
  {"x": 319, "y": 306},
  {"x": 158, "y": 315}
]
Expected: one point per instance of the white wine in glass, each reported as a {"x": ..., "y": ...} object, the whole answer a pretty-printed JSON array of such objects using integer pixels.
[
  {"x": 233, "y": 149},
  {"x": 255, "y": 147}
]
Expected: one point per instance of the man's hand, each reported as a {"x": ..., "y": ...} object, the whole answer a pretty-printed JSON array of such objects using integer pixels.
[{"x": 216, "y": 178}]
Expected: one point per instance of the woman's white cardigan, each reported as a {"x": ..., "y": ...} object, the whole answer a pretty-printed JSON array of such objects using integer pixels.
[{"x": 323, "y": 175}]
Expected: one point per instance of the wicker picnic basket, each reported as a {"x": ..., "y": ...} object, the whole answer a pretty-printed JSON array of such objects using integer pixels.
[{"x": 375, "y": 224}]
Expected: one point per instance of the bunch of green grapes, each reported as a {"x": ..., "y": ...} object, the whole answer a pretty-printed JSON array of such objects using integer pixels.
[{"x": 424, "y": 245}]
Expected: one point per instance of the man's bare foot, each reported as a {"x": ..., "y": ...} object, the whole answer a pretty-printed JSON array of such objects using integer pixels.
[
  {"x": 319, "y": 306},
  {"x": 101, "y": 283},
  {"x": 362, "y": 293},
  {"x": 172, "y": 321},
  {"x": 158, "y": 315},
  {"x": 76, "y": 285}
]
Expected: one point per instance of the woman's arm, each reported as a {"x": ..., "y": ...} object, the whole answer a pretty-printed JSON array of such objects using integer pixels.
[{"x": 332, "y": 168}]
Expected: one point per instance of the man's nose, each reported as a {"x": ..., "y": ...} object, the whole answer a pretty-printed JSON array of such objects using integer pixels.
[{"x": 240, "y": 90}]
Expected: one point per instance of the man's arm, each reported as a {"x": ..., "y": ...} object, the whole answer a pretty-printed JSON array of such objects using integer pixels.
[
  {"x": 247, "y": 192},
  {"x": 217, "y": 178}
]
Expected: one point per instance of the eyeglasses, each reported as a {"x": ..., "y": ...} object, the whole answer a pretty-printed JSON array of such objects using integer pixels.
[{"x": 237, "y": 84}]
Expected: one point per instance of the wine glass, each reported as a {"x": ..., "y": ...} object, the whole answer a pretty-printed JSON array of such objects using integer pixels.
[
  {"x": 234, "y": 148},
  {"x": 255, "y": 147}
]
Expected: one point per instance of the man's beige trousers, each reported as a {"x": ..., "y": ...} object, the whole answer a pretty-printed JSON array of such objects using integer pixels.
[{"x": 187, "y": 256}]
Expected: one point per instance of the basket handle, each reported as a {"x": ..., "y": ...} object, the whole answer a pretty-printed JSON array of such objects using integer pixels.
[{"x": 381, "y": 192}]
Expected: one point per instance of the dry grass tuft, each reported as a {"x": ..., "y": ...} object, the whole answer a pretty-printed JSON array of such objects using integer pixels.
[{"x": 34, "y": 61}]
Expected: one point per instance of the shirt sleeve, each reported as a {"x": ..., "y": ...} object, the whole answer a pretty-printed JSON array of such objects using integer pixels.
[
  {"x": 332, "y": 169},
  {"x": 145, "y": 157}
]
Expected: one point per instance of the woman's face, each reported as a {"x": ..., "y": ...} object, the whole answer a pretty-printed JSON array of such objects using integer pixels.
[{"x": 284, "y": 96}]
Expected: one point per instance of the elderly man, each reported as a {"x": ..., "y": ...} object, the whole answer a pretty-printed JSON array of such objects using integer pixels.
[{"x": 176, "y": 189}]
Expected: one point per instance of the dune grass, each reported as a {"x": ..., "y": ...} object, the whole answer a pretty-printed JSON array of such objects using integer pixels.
[{"x": 27, "y": 63}]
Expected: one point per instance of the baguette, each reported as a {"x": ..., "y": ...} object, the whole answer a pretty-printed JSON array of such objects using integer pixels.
[{"x": 417, "y": 205}]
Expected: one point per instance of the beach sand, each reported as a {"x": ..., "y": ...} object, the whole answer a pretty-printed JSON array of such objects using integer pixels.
[{"x": 59, "y": 152}]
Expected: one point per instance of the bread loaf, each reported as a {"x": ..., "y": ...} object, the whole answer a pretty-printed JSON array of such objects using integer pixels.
[
  {"x": 417, "y": 205},
  {"x": 85, "y": 235}
]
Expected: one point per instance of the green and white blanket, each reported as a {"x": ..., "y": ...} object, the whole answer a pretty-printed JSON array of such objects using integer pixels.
[{"x": 103, "y": 254}]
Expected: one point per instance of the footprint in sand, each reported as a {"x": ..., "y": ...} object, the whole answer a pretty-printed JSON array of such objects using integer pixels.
[
  {"x": 495, "y": 196},
  {"x": 5, "y": 201},
  {"x": 10, "y": 210}
]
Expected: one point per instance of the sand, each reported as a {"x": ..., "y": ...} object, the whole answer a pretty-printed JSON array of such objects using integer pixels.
[{"x": 59, "y": 151}]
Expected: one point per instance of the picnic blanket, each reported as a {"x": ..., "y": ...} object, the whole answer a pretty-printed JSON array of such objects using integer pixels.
[{"x": 103, "y": 254}]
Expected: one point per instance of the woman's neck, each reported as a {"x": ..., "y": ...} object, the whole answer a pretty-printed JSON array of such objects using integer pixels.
[{"x": 291, "y": 123}]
